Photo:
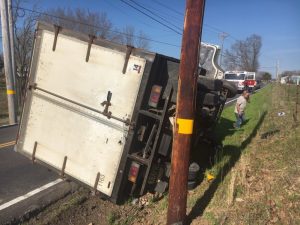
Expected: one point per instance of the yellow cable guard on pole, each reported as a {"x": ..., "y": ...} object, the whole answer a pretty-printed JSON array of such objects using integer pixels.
[
  {"x": 10, "y": 92},
  {"x": 185, "y": 126}
]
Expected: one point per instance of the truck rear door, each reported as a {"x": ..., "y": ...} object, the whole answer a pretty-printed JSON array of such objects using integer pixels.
[{"x": 64, "y": 123}]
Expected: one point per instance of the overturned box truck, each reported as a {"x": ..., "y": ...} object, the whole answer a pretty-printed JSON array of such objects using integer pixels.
[{"x": 101, "y": 113}]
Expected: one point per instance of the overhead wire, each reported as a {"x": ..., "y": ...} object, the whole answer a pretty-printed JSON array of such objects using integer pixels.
[
  {"x": 213, "y": 28},
  {"x": 168, "y": 7},
  {"x": 91, "y": 25},
  {"x": 118, "y": 32},
  {"x": 114, "y": 7},
  {"x": 94, "y": 26},
  {"x": 155, "y": 14},
  {"x": 151, "y": 17}
]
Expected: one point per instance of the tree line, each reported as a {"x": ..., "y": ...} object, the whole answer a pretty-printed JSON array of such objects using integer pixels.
[
  {"x": 80, "y": 20},
  {"x": 242, "y": 55}
]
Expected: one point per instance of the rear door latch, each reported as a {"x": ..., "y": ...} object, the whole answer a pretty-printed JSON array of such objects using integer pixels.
[{"x": 107, "y": 104}]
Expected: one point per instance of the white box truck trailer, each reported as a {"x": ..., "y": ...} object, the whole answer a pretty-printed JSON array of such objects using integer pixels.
[{"x": 98, "y": 112}]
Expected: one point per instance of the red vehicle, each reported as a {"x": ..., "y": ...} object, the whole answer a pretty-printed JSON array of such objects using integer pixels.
[{"x": 250, "y": 81}]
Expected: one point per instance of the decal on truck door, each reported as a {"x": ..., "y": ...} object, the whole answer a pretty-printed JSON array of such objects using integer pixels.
[{"x": 137, "y": 68}]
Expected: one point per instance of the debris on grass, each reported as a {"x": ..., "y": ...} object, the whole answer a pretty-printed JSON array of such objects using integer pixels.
[{"x": 210, "y": 177}]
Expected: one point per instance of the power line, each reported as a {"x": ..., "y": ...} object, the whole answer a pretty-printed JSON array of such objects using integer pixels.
[
  {"x": 168, "y": 7},
  {"x": 151, "y": 17},
  {"x": 155, "y": 14},
  {"x": 114, "y": 31},
  {"x": 164, "y": 13},
  {"x": 215, "y": 29},
  {"x": 94, "y": 26},
  {"x": 114, "y": 7}
]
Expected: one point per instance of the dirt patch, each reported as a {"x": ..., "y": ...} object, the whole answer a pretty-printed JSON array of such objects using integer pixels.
[{"x": 82, "y": 207}]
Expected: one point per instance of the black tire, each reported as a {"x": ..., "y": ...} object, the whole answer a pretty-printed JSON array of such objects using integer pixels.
[
  {"x": 202, "y": 72},
  {"x": 208, "y": 84},
  {"x": 192, "y": 185},
  {"x": 232, "y": 90},
  {"x": 205, "y": 112},
  {"x": 193, "y": 171},
  {"x": 208, "y": 99}
]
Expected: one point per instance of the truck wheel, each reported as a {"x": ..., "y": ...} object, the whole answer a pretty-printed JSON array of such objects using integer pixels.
[
  {"x": 193, "y": 171},
  {"x": 192, "y": 185},
  {"x": 232, "y": 90},
  {"x": 209, "y": 84},
  {"x": 208, "y": 99}
]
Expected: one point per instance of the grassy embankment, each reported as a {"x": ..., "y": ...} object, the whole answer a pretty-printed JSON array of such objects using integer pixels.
[
  {"x": 256, "y": 175},
  {"x": 257, "y": 172}
]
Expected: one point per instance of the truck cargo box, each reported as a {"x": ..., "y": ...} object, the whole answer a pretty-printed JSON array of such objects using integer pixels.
[
  {"x": 64, "y": 123},
  {"x": 98, "y": 111}
]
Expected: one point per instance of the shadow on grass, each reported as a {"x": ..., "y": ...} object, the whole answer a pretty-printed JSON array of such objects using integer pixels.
[
  {"x": 234, "y": 153},
  {"x": 205, "y": 151},
  {"x": 227, "y": 128}
]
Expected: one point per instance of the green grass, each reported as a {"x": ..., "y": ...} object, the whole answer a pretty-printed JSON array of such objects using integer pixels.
[
  {"x": 236, "y": 140},
  {"x": 112, "y": 217},
  {"x": 262, "y": 173},
  {"x": 234, "y": 143}
]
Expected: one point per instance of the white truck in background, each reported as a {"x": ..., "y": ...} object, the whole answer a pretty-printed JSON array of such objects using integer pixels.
[
  {"x": 98, "y": 112},
  {"x": 242, "y": 79}
]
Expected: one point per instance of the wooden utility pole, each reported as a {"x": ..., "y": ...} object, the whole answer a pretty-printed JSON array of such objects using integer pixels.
[
  {"x": 185, "y": 109},
  {"x": 222, "y": 37},
  {"x": 12, "y": 40},
  {"x": 277, "y": 71},
  {"x": 8, "y": 67}
]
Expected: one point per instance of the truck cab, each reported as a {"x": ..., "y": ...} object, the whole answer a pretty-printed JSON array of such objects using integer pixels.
[
  {"x": 250, "y": 80},
  {"x": 236, "y": 77}
]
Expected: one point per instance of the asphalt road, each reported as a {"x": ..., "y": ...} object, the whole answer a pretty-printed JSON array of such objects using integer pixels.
[
  {"x": 24, "y": 186},
  {"x": 231, "y": 101},
  {"x": 18, "y": 175}
]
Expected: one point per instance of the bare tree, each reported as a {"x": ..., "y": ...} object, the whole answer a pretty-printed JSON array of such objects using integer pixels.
[
  {"x": 130, "y": 37},
  {"x": 290, "y": 73},
  {"x": 142, "y": 41},
  {"x": 244, "y": 55},
  {"x": 97, "y": 24},
  {"x": 80, "y": 20},
  {"x": 24, "y": 24}
]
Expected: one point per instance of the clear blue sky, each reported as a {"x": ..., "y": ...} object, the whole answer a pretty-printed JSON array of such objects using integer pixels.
[{"x": 276, "y": 21}]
